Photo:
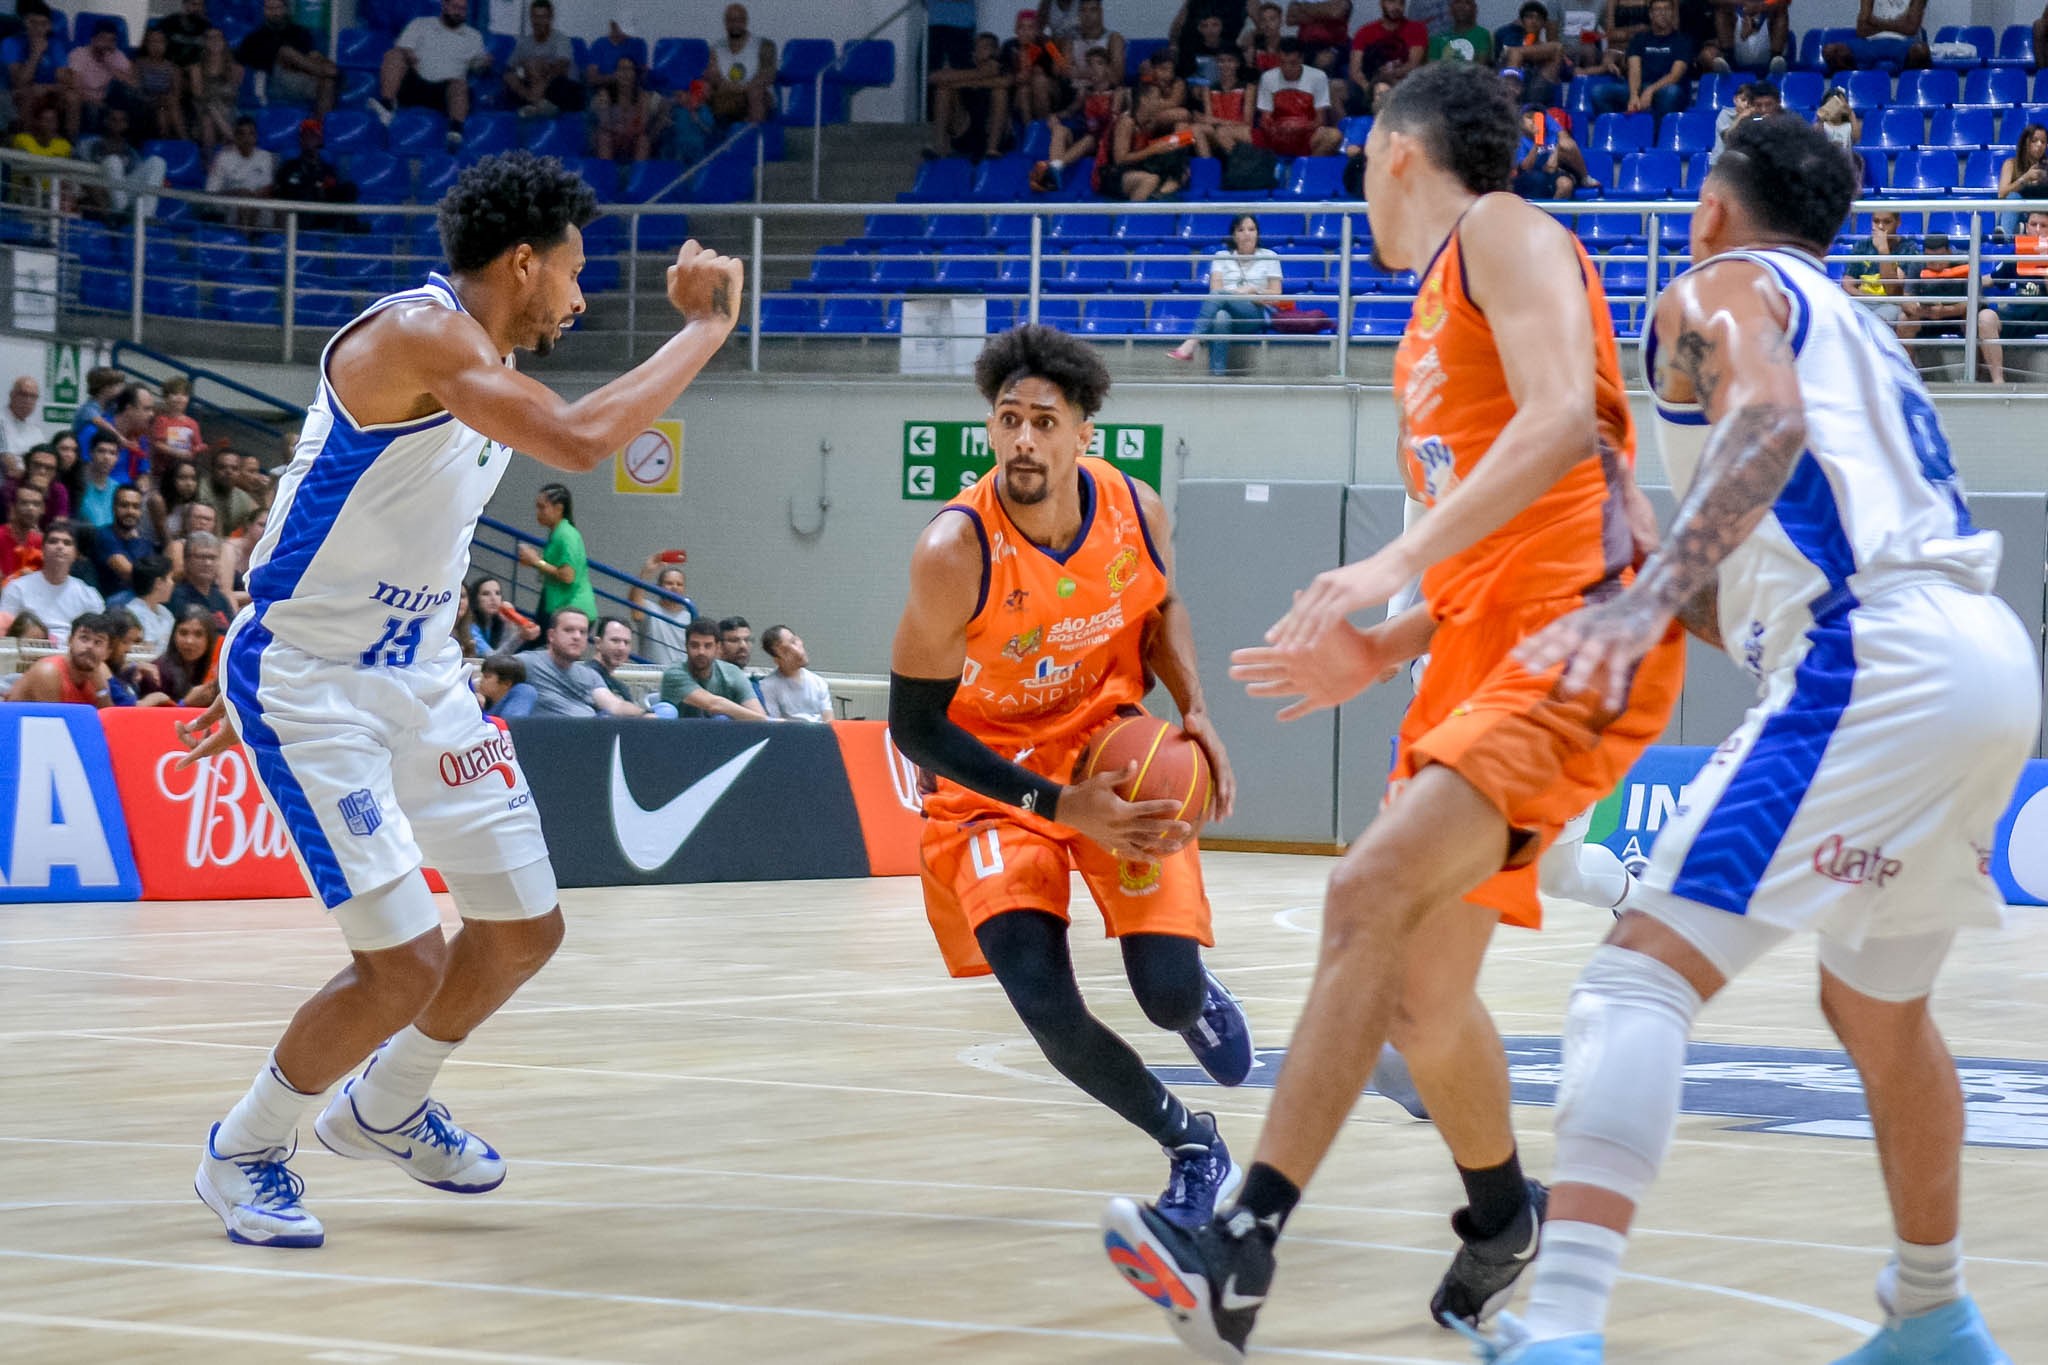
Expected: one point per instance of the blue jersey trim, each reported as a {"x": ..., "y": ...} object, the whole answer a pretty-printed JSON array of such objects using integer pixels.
[
  {"x": 1738, "y": 840},
  {"x": 981, "y": 534},
  {"x": 1089, "y": 499},
  {"x": 339, "y": 465},
  {"x": 1138, "y": 506},
  {"x": 1685, "y": 415},
  {"x": 244, "y": 677}
]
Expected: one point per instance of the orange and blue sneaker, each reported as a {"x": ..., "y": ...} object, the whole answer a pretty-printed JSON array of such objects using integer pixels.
[
  {"x": 1222, "y": 1038},
  {"x": 1211, "y": 1280}
]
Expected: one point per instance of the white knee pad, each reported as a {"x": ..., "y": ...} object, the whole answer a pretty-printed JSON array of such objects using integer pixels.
[
  {"x": 1624, "y": 1063},
  {"x": 1587, "y": 873},
  {"x": 394, "y": 913},
  {"x": 523, "y": 893}
]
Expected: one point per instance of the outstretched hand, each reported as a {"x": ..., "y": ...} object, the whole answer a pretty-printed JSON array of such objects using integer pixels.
[
  {"x": 1599, "y": 646},
  {"x": 1345, "y": 663},
  {"x": 207, "y": 735}
]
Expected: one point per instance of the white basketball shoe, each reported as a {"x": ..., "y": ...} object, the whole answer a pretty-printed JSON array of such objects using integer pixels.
[
  {"x": 257, "y": 1196},
  {"x": 427, "y": 1145}
]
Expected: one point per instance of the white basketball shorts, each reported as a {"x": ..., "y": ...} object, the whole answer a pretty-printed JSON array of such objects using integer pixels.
[
  {"x": 1860, "y": 797},
  {"x": 376, "y": 772}
]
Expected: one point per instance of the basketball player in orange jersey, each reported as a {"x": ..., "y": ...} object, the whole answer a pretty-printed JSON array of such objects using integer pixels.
[
  {"x": 1516, "y": 431},
  {"x": 1041, "y": 604}
]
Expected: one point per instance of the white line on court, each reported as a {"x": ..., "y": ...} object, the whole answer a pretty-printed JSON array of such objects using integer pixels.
[{"x": 124, "y": 1326}]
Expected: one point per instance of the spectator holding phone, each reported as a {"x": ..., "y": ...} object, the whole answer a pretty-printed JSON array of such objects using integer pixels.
[{"x": 663, "y": 618}]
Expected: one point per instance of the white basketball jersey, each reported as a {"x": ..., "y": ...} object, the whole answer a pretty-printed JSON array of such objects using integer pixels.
[
  {"x": 1873, "y": 503},
  {"x": 368, "y": 544}
]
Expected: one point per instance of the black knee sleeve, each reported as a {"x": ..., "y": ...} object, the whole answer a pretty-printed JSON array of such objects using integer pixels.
[{"x": 1165, "y": 972}]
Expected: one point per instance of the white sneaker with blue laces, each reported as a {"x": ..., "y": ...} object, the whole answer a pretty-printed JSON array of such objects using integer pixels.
[
  {"x": 427, "y": 1145},
  {"x": 257, "y": 1196}
]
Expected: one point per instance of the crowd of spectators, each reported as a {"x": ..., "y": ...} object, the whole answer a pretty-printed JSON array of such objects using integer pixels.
[{"x": 125, "y": 537}]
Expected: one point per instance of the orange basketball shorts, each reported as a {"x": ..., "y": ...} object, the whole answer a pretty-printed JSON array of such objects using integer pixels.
[
  {"x": 1540, "y": 757},
  {"x": 976, "y": 869}
]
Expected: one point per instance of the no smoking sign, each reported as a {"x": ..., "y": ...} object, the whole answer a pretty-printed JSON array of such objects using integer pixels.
[{"x": 651, "y": 462}]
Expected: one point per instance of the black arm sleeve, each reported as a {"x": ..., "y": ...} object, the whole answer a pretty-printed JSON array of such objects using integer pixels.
[{"x": 920, "y": 727}]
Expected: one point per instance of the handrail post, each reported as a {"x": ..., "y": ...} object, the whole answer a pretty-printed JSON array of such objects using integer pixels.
[
  {"x": 1652, "y": 263},
  {"x": 1971, "y": 297},
  {"x": 135, "y": 273},
  {"x": 632, "y": 281},
  {"x": 817, "y": 128},
  {"x": 291, "y": 290},
  {"x": 1037, "y": 260},
  {"x": 754, "y": 303},
  {"x": 1344, "y": 296},
  {"x": 760, "y": 162}
]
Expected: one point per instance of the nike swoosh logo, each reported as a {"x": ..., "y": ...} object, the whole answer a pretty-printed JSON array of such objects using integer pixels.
[
  {"x": 1535, "y": 1235},
  {"x": 650, "y": 838},
  {"x": 405, "y": 1155},
  {"x": 1234, "y": 1302}
]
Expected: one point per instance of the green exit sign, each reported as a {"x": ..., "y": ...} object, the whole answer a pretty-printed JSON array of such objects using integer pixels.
[{"x": 942, "y": 458}]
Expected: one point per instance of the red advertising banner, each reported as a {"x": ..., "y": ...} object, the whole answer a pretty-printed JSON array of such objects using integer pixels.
[
  {"x": 203, "y": 832},
  {"x": 885, "y": 793}
]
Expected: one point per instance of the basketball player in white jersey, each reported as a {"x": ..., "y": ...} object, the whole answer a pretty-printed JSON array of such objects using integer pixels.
[
  {"x": 343, "y": 681},
  {"x": 1823, "y": 541}
]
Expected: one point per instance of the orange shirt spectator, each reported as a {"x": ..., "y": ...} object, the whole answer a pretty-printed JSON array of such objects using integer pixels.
[{"x": 174, "y": 433}]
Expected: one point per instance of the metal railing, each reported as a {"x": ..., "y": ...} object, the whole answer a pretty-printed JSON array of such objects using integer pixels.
[
  {"x": 319, "y": 278},
  {"x": 616, "y": 581},
  {"x": 839, "y": 64}
]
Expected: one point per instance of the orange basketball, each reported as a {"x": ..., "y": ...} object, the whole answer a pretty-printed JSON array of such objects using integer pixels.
[{"x": 1171, "y": 767}]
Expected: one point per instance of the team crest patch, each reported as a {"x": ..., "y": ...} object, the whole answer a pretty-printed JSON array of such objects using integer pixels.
[
  {"x": 1807, "y": 1091},
  {"x": 1123, "y": 569},
  {"x": 1027, "y": 643},
  {"x": 1430, "y": 311},
  {"x": 1136, "y": 878},
  {"x": 359, "y": 809}
]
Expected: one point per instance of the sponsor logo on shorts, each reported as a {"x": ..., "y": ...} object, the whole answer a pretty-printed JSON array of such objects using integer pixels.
[
  {"x": 359, "y": 810},
  {"x": 493, "y": 755},
  {"x": 1136, "y": 878},
  {"x": 1810, "y": 1092},
  {"x": 1023, "y": 644},
  {"x": 1123, "y": 569},
  {"x": 1839, "y": 862}
]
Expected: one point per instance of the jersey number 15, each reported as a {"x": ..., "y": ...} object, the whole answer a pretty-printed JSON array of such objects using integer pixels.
[{"x": 396, "y": 646}]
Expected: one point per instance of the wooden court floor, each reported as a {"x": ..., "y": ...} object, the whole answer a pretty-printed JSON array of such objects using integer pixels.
[{"x": 757, "y": 1124}]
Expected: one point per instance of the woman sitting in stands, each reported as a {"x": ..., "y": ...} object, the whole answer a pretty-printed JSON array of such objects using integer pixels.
[
  {"x": 2025, "y": 173},
  {"x": 494, "y": 626},
  {"x": 187, "y": 667},
  {"x": 177, "y": 490},
  {"x": 627, "y": 119},
  {"x": 1239, "y": 276}
]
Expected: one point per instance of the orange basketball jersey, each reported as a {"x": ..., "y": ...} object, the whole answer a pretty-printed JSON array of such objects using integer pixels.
[
  {"x": 1057, "y": 639},
  {"x": 1454, "y": 404}
]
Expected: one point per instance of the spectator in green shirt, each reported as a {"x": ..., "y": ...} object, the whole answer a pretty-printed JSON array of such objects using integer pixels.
[
  {"x": 1467, "y": 41},
  {"x": 564, "y": 568},
  {"x": 704, "y": 684}
]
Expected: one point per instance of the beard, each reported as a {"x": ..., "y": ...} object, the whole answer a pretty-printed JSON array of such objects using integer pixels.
[{"x": 1031, "y": 494}]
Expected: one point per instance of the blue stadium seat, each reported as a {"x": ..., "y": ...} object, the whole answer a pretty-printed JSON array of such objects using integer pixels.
[
  {"x": 1925, "y": 172},
  {"x": 601, "y": 175},
  {"x": 1068, "y": 228},
  {"x": 1802, "y": 91},
  {"x": 1963, "y": 129},
  {"x": 380, "y": 178},
  {"x": 219, "y": 253},
  {"x": 1013, "y": 272},
  {"x": 903, "y": 267},
  {"x": 2015, "y": 46},
  {"x": 1204, "y": 229},
  {"x": 1159, "y": 268},
  {"x": 1618, "y": 134},
  {"x": 1869, "y": 90},
  {"x": 437, "y": 174},
  {"x": 111, "y": 290},
  {"x": 1674, "y": 232},
  {"x": 1113, "y": 317},
  {"x": 788, "y": 315},
  {"x": 1624, "y": 278},
  {"x": 801, "y": 104},
  {"x": 1014, "y": 228},
  {"x": 555, "y": 136},
  {"x": 1696, "y": 167},
  {"x": 944, "y": 181},
  {"x": 1979, "y": 36},
  {"x": 2040, "y": 91},
  {"x": 356, "y": 86},
  {"x": 892, "y": 227},
  {"x": 1377, "y": 317},
  {"x": 351, "y": 130},
  {"x": 851, "y": 317},
  {"x": 360, "y": 49},
  {"x": 1980, "y": 171},
  {"x": 1894, "y": 130},
  {"x": 1686, "y": 132},
  {"x": 1715, "y": 91},
  {"x": 677, "y": 62},
  {"x": 1173, "y": 317},
  {"x": 1995, "y": 87},
  {"x": 838, "y": 269},
  {"x": 1928, "y": 89},
  {"x": 724, "y": 179},
  {"x": 865, "y": 64},
  {"x": 1091, "y": 268},
  {"x": 1327, "y": 229},
  {"x": 1314, "y": 177},
  {"x": 1064, "y": 314},
  {"x": 324, "y": 307},
  {"x": 248, "y": 304},
  {"x": 416, "y": 132},
  {"x": 1648, "y": 175},
  {"x": 1356, "y": 129},
  {"x": 1000, "y": 180},
  {"x": 1276, "y": 230},
  {"x": 1810, "y": 44},
  {"x": 1877, "y": 169},
  {"x": 957, "y": 227},
  {"x": 1144, "y": 227},
  {"x": 1037, "y": 140},
  {"x": 968, "y": 269},
  {"x": 182, "y": 164},
  {"x": 277, "y": 130},
  {"x": 489, "y": 132},
  {"x": 1305, "y": 274},
  {"x": 645, "y": 179},
  {"x": 1611, "y": 231},
  {"x": 1136, "y": 50},
  {"x": 167, "y": 298},
  {"x": 1205, "y": 180},
  {"x": 803, "y": 59}
]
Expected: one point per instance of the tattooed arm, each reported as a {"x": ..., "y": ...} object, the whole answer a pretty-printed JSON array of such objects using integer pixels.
[{"x": 1730, "y": 354}]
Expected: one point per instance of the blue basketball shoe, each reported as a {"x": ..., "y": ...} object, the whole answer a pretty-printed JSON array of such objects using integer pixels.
[
  {"x": 257, "y": 1196},
  {"x": 1510, "y": 1345},
  {"x": 1953, "y": 1334},
  {"x": 1203, "y": 1177},
  {"x": 1222, "y": 1038}
]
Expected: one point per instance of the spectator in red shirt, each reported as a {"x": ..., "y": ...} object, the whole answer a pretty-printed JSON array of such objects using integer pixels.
[
  {"x": 175, "y": 434},
  {"x": 1390, "y": 47},
  {"x": 21, "y": 542},
  {"x": 1294, "y": 110},
  {"x": 1032, "y": 64}
]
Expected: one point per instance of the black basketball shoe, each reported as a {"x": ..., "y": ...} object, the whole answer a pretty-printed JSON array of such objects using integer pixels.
[
  {"x": 1211, "y": 1280},
  {"x": 1482, "y": 1276}
]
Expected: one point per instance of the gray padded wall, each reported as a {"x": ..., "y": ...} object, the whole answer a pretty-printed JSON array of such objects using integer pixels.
[
  {"x": 1240, "y": 552},
  {"x": 1366, "y": 726},
  {"x": 2022, "y": 518}
]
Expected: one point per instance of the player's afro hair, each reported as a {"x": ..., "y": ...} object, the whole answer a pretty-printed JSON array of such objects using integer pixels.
[
  {"x": 1464, "y": 115},
  {"x": 508, "y": 199},
  {"x": 1790, "y": 177},
  {"x": 1033, "y": 352}
]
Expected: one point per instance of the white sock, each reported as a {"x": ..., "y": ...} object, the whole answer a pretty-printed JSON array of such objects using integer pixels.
[
  {"x": 1919, "y": 1279},
  {"x": 1573, "y": 1280},
  {"x": 266, "y": 1116},
  {"x": 398, "y": 1078}
]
